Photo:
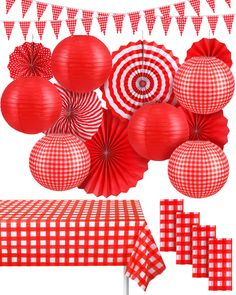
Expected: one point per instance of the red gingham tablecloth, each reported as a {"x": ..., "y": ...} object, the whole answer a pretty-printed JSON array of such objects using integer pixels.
[{"x": 79, "y": 232}]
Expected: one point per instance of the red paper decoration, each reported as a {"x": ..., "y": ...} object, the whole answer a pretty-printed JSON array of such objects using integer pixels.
[
  {"x": 204, "y": 85},
  {"x": 30, "y": 105},
  {"x": 81, "y": 63},
  {"x": 59, "y": 162},
  {"x": 155, "y": 130},
  {"x": 198, "y": 169}
]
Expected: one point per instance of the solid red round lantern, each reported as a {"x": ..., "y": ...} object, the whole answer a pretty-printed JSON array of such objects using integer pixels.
[
  {"x": 204, "y": 85},
  {"x": 59, "y": 162},
  {"x": 198, "y": 169},
  {"x": 81, "y": 63},
  {"x": 31, "y": 105},
  {"x": 155, "y": 130}
]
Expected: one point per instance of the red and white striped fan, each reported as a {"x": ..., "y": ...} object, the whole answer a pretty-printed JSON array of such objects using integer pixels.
[
  {"x": 81, "y": 114},
  {"x": 142, "y": 73}
]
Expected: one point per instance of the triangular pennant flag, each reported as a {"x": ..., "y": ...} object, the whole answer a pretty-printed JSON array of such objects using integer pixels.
[
  {"x": 25, "y": 5},
  {"x": 71, "y": 12},
  {"x": 9, "y": 4},
  {"x": 150, "y": 19},
  {"x": 228, "y": 2},
  {"x": 197, "y": 22},
  {"x": 56, "y": 25},
  {"x": 40, "y": 28},
  {"x": 181, "y": 21},
  {"x": 102, "y": 20},
  {"x": 166, "y": 21},
  {"x": 71, "y": 24},
  {"x": 56, "y": 11},
  {"x": 165, "y": 10},
  {"x": 134, "y": 20},
  {"x": 212, "y": 4},
  {"x": 24, "y": 28},
  {"x": 41, "y": 7},
  {"x": 229, "y": 20},
  {"x": 180, "y": 7},
  {"x": 8, "y": 28},
  {"x": 87, "y": 20},
  {"x": 118, "y": 19},
  {"x": 195, "y": 5},
  {"x": 213, "y": 20}
]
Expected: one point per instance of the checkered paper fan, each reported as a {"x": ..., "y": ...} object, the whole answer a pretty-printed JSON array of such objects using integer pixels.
[
  {"x": 142, "y": 73},
  {"x": 115, "y": 166},
  {"x": 81, "y": 114}
]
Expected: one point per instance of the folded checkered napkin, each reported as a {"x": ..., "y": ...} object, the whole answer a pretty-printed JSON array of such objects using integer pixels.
[
  {"x": 168, "y": 210},
  {"x": 200, "y": 240},
  {"x": 220, "y": 264},
  {"x": 184, "y": 223}
]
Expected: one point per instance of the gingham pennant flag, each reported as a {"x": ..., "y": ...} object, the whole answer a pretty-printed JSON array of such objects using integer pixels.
[
  {"x": 166, "y": 21},
  {"x": 119, "y": 19},
  {"x": 228, "y": 2},
  {"x": 150, "y": 19},
  {"x": 8, "y": 28},
  {"x": 25, "y": 5},
  {"x": 71, "y": 24},
  {"x": 102, "y": 20},
  {"x": 213, "y": 20},
  {"x": 181, "y": 21},
  {"x": 165, "y": 10},
  {"x": 56, "y": 26},
  {"x": 9, "y": 4},
  {"x": 212, "y": 4},
  {"x": 71, "y": 13},
  {"x": 56, "y": 11},
  {"x": 195, "y": 5},
  {"x": 87, "y": 20},
  {"x": 197, "y": 22},
  {"x": 41, "y": 7},
  {"x": 229, "y": 20},
  {"x": 180, "y": 7},
  {"x": 134, "y": 20},
  {"x": 40, "y": 26},
  {"x": 24, "y": 28}
]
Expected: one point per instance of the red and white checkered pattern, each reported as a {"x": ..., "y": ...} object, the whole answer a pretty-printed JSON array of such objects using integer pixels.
[
  {"x": 25, "y": 28},
  {"x": 25, "y": 5},
  {"x": 118, "y": 19},
  {"x": 165, "y": 11},
  {"x": 211, "y": 3},
  {"x": 228, "y": 2},
  {"x": 56, "y": 26},
  {"x": 59, "y": 162},
  {"x": 71, "y": 12},
  {"x": 168, "y": 210},
  {"x": 102, "y": 20},
  {"x": 150, "y": 18},
  {"x": 204, "y": 85},
  {"x": 9, "y": 4},
  {"x": 8, "y": 28},
  {"x": 40, "y": 26},
  {"x": 181, "y": 22},
  {"x": 184, "y": 223},
  {"x": 180, "y": 7},
  {"x": 56, "y": 11},
  {"x": 79, "y": 232},
  {"x": 87, "y": 20},
  {"x": 213, "y": 20},
  {"x": 198, "y": 169},
  {"x": 197, "y": 22},
  {"x": 195, "y": 5},
  {"x": 200, "y": 242},
  {"x": 41, "y": 7},
  {"x": 166, "y": 21},
  {"x": 71, "y": 25},
  {"x": 134, "y": 20},
  {"x": 220, "y": 265},
  {"x": 229, "y": 20}
]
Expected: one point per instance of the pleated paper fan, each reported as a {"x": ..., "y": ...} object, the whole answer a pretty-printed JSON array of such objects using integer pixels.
[
  {"x": 115, "y": 166},
  {"x": 210, "y": 48},
  {"x": 142, "y": 73},
  {"x": 81, "y": 114}
]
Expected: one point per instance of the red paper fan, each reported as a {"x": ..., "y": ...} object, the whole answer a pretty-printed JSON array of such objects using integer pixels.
[
  {"x": 81, "y": 114},
  {"x": 30, "y": 59},
  {"x": 115, "y": 166},
  {"x": 211, "y": 127},
  {"x": 210, "y": 48}
]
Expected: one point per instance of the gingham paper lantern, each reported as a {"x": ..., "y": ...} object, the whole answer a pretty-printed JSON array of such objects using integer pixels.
[
  {"x": 59, "y": 162},
  {"x": 204, "y": 85},
  {"x": 198, "y": 169}
]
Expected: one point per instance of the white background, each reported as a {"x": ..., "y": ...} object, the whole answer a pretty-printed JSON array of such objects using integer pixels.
[{"x": 17, "y": 182}]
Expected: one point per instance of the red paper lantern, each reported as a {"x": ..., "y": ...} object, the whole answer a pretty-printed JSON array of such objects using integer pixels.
[
  {"x": 31, "y": 105},
  {"x": 204, "y": 85},
  {"x": 59, "y": 162},
  {"x": 81, "y": 63},
  {"x": 155, "y": 130},
  {"x": 198, "y": 169}
]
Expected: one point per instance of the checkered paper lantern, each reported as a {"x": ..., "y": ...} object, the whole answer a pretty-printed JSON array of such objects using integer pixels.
[
  {"x": 204, "y": 85},
  {"x": 198, "y": 169},
  {"x": 59, "y": 162}
]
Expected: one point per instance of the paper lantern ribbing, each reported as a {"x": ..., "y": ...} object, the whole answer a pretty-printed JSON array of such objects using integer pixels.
[
  {"x": 155, "y": 130},
  {"x": 59, "y": 162},
  {"x": 204, "y": 85},
  {"x": 31, "y": 105},
  {"x": 198, "y": 169},
  {"x": 81, "y": 63}
]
